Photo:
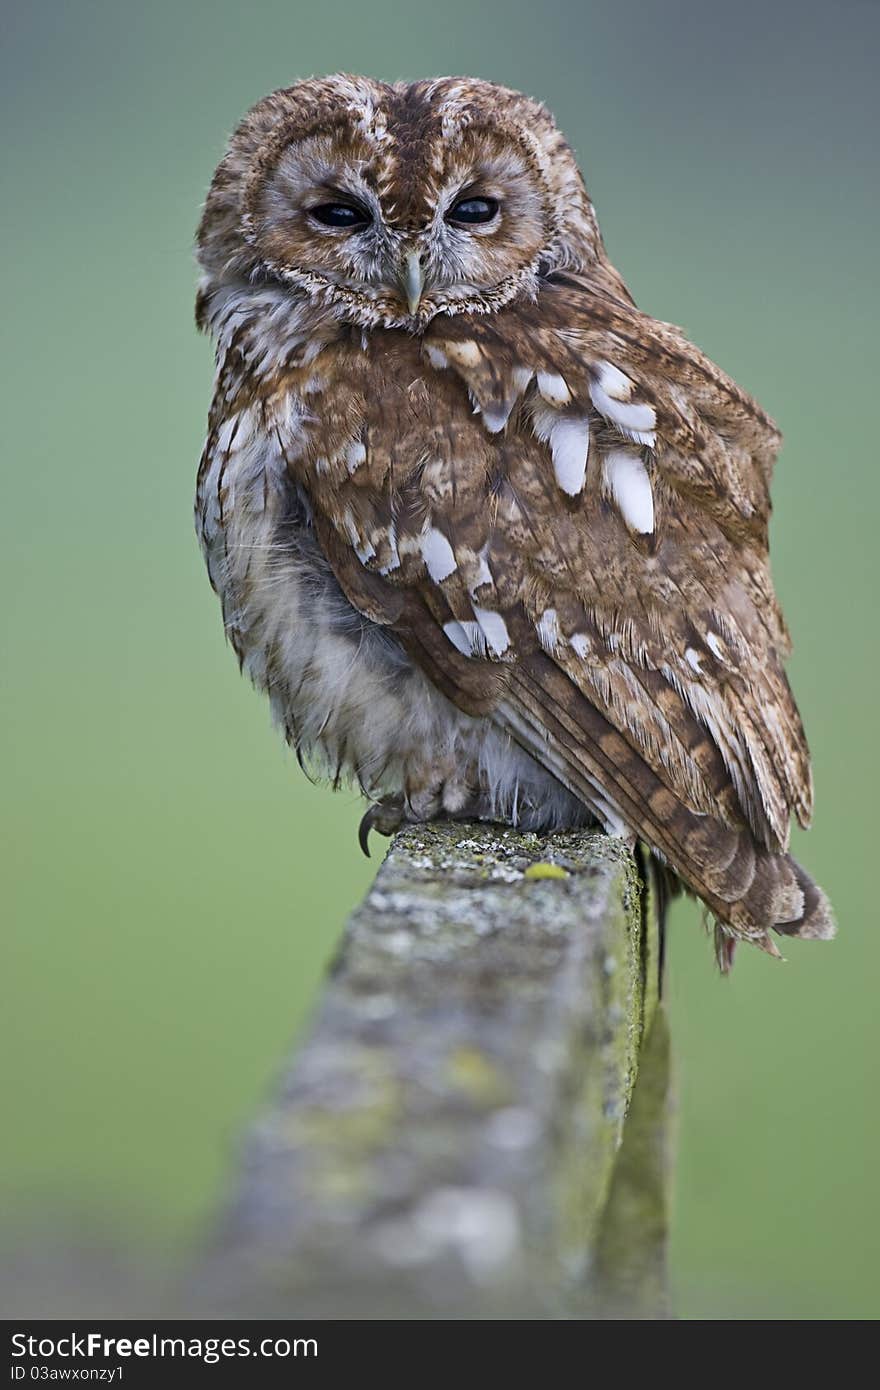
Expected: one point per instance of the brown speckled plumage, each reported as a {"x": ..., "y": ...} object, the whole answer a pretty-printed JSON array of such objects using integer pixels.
[{"x": 501, "y": 547}]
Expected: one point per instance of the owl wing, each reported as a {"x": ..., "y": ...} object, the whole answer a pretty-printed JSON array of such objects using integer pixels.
[{"x": 577, "y": 543}]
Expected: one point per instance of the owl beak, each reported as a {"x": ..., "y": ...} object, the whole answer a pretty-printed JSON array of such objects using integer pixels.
[{"x": 413, "y": 280}]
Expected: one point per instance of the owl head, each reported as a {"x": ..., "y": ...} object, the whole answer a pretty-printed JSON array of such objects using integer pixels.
[{"x": 389, "y": 204}]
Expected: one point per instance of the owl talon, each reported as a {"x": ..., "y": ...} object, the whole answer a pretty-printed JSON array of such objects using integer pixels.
[{"x": 385, "y": 816}]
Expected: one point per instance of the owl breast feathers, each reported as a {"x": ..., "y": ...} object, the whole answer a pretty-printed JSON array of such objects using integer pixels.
[{"x": 494, "y": 542}]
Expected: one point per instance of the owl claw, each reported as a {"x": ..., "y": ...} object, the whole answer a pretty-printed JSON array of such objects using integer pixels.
[{"x": 385, "y": 816}]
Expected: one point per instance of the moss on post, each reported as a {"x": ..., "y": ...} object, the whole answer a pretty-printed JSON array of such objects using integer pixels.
[{"x": 451, "y": 1139}]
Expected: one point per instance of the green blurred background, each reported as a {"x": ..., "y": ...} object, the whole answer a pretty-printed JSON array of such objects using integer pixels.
[{"x": 173, "y": 886}]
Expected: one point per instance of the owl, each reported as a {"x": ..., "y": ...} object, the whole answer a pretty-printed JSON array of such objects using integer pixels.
[{"x": 493, "y": 541}]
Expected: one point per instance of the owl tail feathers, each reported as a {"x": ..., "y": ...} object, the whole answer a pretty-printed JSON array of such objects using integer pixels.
[
  {"x": 815, "y": 919},
  {"x": 781, "y": 896},
  {"x": 748, "y": 889}
]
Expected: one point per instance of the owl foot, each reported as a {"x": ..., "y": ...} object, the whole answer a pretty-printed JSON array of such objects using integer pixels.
[{"x": 385, "y": 816}]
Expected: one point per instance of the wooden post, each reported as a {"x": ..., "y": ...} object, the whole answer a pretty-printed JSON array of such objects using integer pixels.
[{"x": 475, "y": 1124}]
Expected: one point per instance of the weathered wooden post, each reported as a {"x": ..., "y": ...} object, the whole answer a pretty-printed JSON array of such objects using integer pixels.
[{"x": 475, "y": 1125}]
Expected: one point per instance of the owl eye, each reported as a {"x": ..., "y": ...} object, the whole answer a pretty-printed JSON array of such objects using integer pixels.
[
  {"x": 470, "y": 210},
  {"x": 347, "y": 216}
]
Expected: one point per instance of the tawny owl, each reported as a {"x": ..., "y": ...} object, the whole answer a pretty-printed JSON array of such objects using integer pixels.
[{"x": 494, "y": 542}]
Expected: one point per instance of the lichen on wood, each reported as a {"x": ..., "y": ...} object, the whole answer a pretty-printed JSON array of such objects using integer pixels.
[{"x": 448, "y": 1138}]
